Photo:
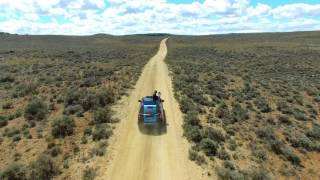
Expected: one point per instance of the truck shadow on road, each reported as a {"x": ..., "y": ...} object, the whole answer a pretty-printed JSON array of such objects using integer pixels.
[{"x": 153, "y": 130}]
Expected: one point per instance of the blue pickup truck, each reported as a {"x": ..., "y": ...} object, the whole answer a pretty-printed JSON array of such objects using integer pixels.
[{"x": 151, "y": 111}]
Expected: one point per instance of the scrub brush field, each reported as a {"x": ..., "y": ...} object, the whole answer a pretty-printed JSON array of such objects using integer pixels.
[{"x": 251, "y": 102}]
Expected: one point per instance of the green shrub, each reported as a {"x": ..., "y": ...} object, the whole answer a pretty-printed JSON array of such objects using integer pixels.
[
  {"x": 43, "y": 168},
  {"x": 100, "y": 149},
  {"x": 229, "y": 174},
  {"x": 208, "y": 146},
  {"x": 284, "y": 107},
  {"x": 88, "y": 131},
  {"x": 187, "y": 105},
  {"x": 62, "y": 127},
  {"x": 259, "y": 174},
  {"x": 239, "y": 114},
  {"x": 304, "y": 142},
  {"x": 314, "y": 132},
  {"x": 54, "y": 150},
  {"x": 102, "y": 115},
  {"x": 3, "y": 121},
  {"x": 7, "y": 105},
  {"x": 262, "y": 105},
  {"x": 36, "y": 110},
  {"x": 24, "y": 89},
  {"x": 73, "y": 109},
  {"x": 192, "y": 133},
  {"x": 281, "y": 149},
  {"x": 223, "y": 154},
  {"x": 222, "y": 112},
  {"x": 14, "y": 172},
  {"x": 191, "y": 118},
  {"x": 195, "y": 156},
  {"x": 266, "y": 133},
  {"x": 284, "y": 119},
  {"x": 6, "y": 78},
  {"x": 10, "y": 132},
  {"x": 291, "y": 156},
  {"x": 300, "y": 115},
  {"x": 260, "y": 154},
  {"x": 101, "y": 132},
  {"x": 89, "y": 174},
  {"x": 16, "y": 137},
  {"x": 214, "y": 134}
]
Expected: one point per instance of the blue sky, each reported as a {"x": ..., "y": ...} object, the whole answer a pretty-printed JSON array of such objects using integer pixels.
[{"x": 86, "y": 17}]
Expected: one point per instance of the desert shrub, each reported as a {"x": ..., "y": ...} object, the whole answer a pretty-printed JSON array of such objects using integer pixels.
[
  {"x": 223, "y": 154},
  {"x": 100, "y": 149},
  {"x": 102, "y": 115},
  {"x": 214, "y": 134},
  {"x": 291, "y": 156},
  {"x": 304, "y": 142},
  {"x": 266, "y": 133},
  {"x": 7, "y": 105},
  {"x": 84, "y": 140},
  {"x": 101, "y": 132},
  {"x": 72, "y": 97},
  {"x": 284, "y": 107},
  {"x": 10, "y": 132},
  {"x": 262, "y": 105},
  {"x": 43, "y": 168},
  {"x": 260, "y": 154},
  {"x": 314, "y": 132},
  {"x": 196, "y": 156},
  {"x": 298, "y": 99},
  {"x": 281, "y": 149},
  {"x": 88, "y": 131},
  {"x": 22, "y": 90},
  {"x": 14, "y": 172},
  {"x": 300, "y": 115},
  {"x": 36, "y": 110},
  {"x": 3, "y": 121},
  {"x": 187, "y": 105},
  {"x": 259, "y": 174},
  {"x": 249, "y": 91},
  {"x": 53, "y": 150},
  {"x": 62, "y": 127},
  {"x": 192, "y": 133},
  {"x": 232, "y": 145},
  {"x": 208, "y": 146},
  {"x": 239, "y": 114},
  {"x": 90, "y": 101},
  {"x": 16, "y": 137},
  {"x": 73, "y": 109},
  {"x": 284, "y": 119},
  {"x": 191, "y": 118},
  {"x": 222, "y": 112},
  {"x": 88, "y": 174},
  {"x": 229, "y": 174},
  {"x": 4, "y": 78}
]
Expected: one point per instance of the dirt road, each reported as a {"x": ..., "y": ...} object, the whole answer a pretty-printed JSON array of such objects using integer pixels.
[{"x": 151, "y": 154}]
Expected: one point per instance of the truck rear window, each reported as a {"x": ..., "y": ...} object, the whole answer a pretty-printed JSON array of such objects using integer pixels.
[{"x": 150, "y": 109}]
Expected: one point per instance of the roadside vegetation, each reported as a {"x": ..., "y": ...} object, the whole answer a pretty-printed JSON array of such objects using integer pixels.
[
  {"x": 251, "y": 102},
  {"x": 56, "y": 95}
]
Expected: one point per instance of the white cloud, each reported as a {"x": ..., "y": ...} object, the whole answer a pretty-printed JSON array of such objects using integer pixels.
[
  {"x": 298, "y": 10},
  {"x": 145, "y": 16},
  {"x": 259, "y": 10}
]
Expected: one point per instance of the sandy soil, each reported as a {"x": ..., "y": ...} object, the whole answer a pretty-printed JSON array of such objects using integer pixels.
[{"x": 136, "y": 154}]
